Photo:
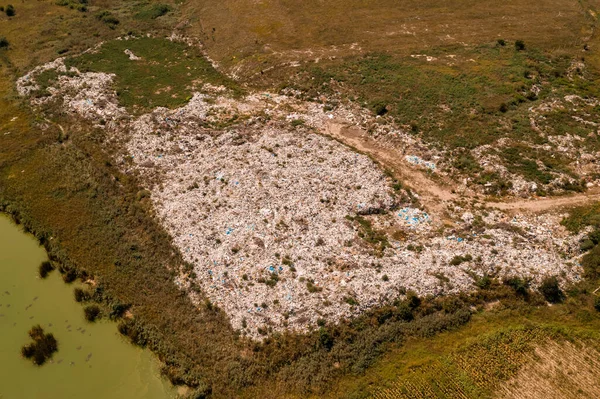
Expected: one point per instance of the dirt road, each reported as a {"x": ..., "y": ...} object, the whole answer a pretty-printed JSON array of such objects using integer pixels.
[{"x": 434, "y": 195}]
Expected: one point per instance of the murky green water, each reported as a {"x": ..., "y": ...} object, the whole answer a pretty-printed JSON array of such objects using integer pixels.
[{"x": 93, "y": 360}]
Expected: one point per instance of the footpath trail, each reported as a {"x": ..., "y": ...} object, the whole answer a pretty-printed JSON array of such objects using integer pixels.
[
  {"x": 434, "y": 195},
  {"x": 431, "y": 194},
  {"x": 539, "y": 205}
]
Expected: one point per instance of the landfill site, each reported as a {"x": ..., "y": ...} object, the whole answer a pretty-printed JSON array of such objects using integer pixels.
[{"x": 283, "y": 224}]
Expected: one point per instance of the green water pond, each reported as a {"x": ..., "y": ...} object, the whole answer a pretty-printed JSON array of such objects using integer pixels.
[{"x": 93, "y": 361}]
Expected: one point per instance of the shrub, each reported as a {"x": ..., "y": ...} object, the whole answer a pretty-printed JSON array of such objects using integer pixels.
[
  {"x": 458, "y": 259},
  {"x": 312, "y": 288},
  {"x": 91, "y": 313},
  {"x": 10, "y": 10},
  {"x": 350, "y": 301},
  {"x": 501, "y": 42},
  {"x": 380, "y": 109},
  {"x": 385, "y": 277},
  {"x": 154, "y": 11},
  {"x": 42, "y": 348},
  {"x": 81, "y": 295},
  {"x": 551, "y": 290},
  {"x": 413, "y": 300},
  {"x": 597, "y": 303},
  {"x": 404, "y": 312},
  {"x": 3, "y": 42},
  {"x": 69, "y": 276},
  {"x": 483, "y": 282},
  {"x": 325, "y": 339},
  {"x": 586, "y": 245},
  {"x": 108, "y": 18},
  {"x": 520, "y": 45},
  {"x": 79, "y": 5},
  {"x": 45, "y": 268},
  {"x": 521, "y": 286}
]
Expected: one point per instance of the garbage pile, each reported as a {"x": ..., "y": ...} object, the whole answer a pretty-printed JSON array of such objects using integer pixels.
[
  {"x": 265, "y": 209},
  {"x": 415, "y": 160}
]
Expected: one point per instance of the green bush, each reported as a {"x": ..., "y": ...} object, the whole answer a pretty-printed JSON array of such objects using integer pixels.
[
  {"x": 45, "y": 268},
  {"x": 380, "y": 109},
  {"x": 42, "y": 348},
  {"x": 520, "y": 45},
  {"x": 108, "y": 19},
  {"x": 501, "y": 42},
  {"x": 10, "y": 10},
  {"x": 79, "y": 5},
  {"x": 597, "y": 303},
  {"x": 91, "y": 313},
  {"x": 154, "y": 11},
  {"x": 81, "y": 295},
  {"x": 413, "y": 300},
  {"x": 458, "y": 259},
  {"x": 312, "y": 288},
  {"x": 519, "y": 285},
  {"x": 69, "y": 276},
  {"x": 118, "y": 310},
  {"x": 551, "y": 290},
  {"x": 3, "y": 42}
]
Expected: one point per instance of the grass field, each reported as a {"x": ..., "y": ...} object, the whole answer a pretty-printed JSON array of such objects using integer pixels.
[
  {"x": 166, "y": 74},
  {"x": 283, "y": 30}
]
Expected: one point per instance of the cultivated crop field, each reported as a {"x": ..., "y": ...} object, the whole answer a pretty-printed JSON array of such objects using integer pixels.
[{"x": 515, "y": 363}]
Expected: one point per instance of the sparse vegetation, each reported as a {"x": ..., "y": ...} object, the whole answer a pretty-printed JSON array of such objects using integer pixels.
[
  {"x": 79, "y": 5},
  {"x": 154, "y": 11},
  {"x": 163, "y": 77},
  {"x": 377, "y": 239},
  {"x": 108, "y": 18},
  {"x": 458, "y": 259},
  {"x": 312, "y": 288}
]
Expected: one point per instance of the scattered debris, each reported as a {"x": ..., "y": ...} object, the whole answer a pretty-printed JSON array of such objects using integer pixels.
[{"x": 263, "y": 208}]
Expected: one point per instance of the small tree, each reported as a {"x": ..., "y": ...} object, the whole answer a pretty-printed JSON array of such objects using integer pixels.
[
  {"x": 3, "y": 42},
  {"x": 520, "y": 45},
  {"x": 10, "y": 10},
  {"x": 521, "y": 286},
  {"x": 551, "y": 290},
  {"x": 81, "y": 295},
  {"x": 91, "y": 313},
  {"x": 597, "y": 303}
]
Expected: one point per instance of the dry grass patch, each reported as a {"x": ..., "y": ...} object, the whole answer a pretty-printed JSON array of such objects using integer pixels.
[{"x": 556, "y": 370}]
